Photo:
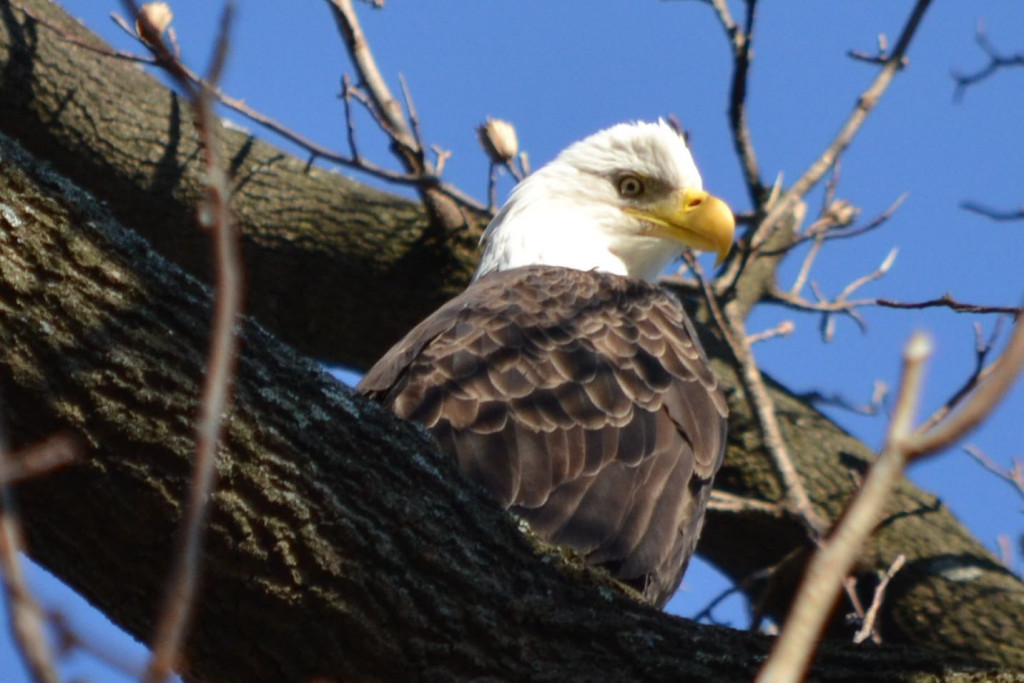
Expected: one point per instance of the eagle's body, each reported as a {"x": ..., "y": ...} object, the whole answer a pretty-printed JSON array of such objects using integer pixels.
[{"x": 579, "y": 395}]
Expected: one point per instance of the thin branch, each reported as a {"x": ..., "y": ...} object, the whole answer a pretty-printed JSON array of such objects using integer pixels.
[
  {"x": 71, "y": 639},
  {"x": 350, "y": 123},
  {"x": 180, "y": 592},
  {"x": 881, "y": 55},
  {"x": 740, "y": 40},
  {"x": 867, "y": 629},
  {"x": 492, "y": 188},
  {"x": 1013, "y": 476},
  {"x": 706, "y": 613},
  {"x": 38, "y": 459},
  {"x": 994, "y": 214},
  {"x": 996, "y": 62},
  {"x": 783, "y": 298},
  {"x": 73, "y": 40},
  {"x": 1006, "y": 552},
  {"x": 827, "y": 228},
  {"x": 805, "y": 267},
  {"x": 406, "y": 141},
  {"x": 796, "y": 496},
  {"x": 841, "y": 304},
  {"x": 988, "y": 393},
  {"x": 982, "y": 348},
  {"x": 369, "y": 75},
  {"x": 730, "y": 323},
  {"x": 744, "y": 586},
  {"x": 945, "y": 301},
  {"x": 866, "y": 102},
  {"x": 239, "y": 106},
  {"x": 723, "y": 501},
  {"x": 783, "y": 329},
  {"x": 414, "y": 119},
  {"x": 870, "y": 277},
  {"x": 832, "y": 563},
  {"x": 26, "y": 618},
  {"x": 873, "y": 408}
]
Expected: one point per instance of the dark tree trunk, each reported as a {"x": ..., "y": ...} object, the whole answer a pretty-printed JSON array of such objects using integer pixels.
[{"x": 342, "y": 544}]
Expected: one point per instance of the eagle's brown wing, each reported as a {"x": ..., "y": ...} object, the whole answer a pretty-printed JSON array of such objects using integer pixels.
[{"x": 583, "y": 401}]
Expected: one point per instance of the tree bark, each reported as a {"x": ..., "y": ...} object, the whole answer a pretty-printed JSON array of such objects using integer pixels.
[
  {"x": 325, "y": 254},
  {"x": 342, "y": 544}
]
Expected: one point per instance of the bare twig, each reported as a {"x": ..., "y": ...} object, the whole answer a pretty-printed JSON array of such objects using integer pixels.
[
  {"x": 406, "y": 139},
  {"x": 723, "y": 501},
  {"x": 73, "y": 40},
  {"x": 805, "y": 267},
  {"x": 783, "y": 329},
  {"x": 797, "y": 500},
  {"x": 777, "y": 296},
  {"x": 996, "y": 61},
  {"x": 706, "y": 614},
  {"x": 870, "y": 277},
  {"x": 384, "y": 103},
  {"x": 828, "y": 229},
  {"x": 872, "y": 408},
  {"x": 38, "y": 459},
  {"x": 492, "y": 188},
  {"x": 946, "y": 301},
  {"x": 831, "y": 564},
  {"x": 740, "y": 40},
  {"x": 70, "y": 639},
  {"x": 994, "y": 214},
  {"x": 866, "y": 102},
  {"x": 987, "y": 394},
  {"x": 1006, "y": 551},
  {"x": 730, "y": 323},
  {"x": 881, "y": 55},
  {"x": 350, "y": 122},
  {"x": 841, "y": 304},
  {"x": 982, "y": 348},
  {"x": 214, "y": 215},
  {"x": 316, "y": 151},
  {"x": 742, "y": 586},
  {"x": 27, "y": 619},
  {"x": 1014, "y": 476},
  {"x": 867, "y": 629}
]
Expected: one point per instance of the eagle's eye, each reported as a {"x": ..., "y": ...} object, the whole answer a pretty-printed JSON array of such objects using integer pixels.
[{"x": 630, "y": 186}]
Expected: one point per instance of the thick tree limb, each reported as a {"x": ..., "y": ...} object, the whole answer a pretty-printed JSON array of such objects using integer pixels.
[
  {"x": 325, "y": 258},
  {"x": 311, "y": 237}
]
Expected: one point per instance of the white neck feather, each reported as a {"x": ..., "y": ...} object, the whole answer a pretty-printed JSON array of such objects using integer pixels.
[
  {"x": 569, "y": 214},
  {"x": 536, "y": 228}
]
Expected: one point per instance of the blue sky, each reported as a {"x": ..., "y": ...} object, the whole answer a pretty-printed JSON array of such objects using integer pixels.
[{"x": 560, "y": 71}]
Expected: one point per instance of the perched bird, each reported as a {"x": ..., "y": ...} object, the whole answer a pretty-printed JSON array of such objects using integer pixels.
[{"x": 566, "y": 382}]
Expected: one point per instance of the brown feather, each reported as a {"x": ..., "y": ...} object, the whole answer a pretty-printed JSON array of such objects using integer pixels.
[{"x": 582, "y": 401}]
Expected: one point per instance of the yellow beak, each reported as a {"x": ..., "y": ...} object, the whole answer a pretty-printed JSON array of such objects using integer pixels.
[{"x": 694, "y": 218}]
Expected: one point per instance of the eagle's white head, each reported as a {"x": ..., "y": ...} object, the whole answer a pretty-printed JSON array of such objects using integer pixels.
[{"x": 626, "y": 200}]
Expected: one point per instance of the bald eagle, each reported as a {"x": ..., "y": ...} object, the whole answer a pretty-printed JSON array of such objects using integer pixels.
[{"x": 563, "y": 379}]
